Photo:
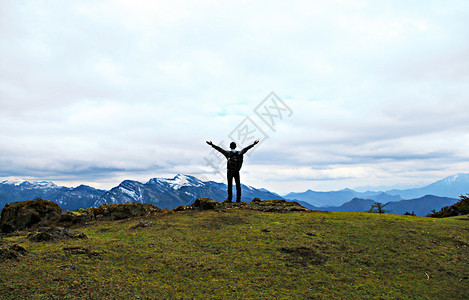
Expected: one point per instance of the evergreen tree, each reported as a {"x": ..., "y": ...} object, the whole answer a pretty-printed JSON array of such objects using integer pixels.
[{"x": 377, "y": 208}]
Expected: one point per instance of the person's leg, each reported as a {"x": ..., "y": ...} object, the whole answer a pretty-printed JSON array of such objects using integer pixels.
[
  {"x": 229, "y": 177},
  {"x": 238, "y": 186}
]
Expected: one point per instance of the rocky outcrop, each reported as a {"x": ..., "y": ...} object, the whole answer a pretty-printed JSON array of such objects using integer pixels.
[
  {"x": 45, "y": 234},
  {"x": 28, "y": 214},
  {"x": 124, "y": 211},
  {"x": 276, "y": 206},
  {"x": 256, "y": 204},
  {"x": 11, "y": 252},
  {"x": 109, "y": 212},
  {"x": 205, "y": 203},
  {"x": 33, "y": 214}
]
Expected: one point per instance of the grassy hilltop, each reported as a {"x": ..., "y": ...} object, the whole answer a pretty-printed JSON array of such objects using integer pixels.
[{"x": 245, "y": 254}]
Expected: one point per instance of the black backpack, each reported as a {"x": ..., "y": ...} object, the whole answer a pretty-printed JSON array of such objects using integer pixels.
[{"x": 235, "y": 160}]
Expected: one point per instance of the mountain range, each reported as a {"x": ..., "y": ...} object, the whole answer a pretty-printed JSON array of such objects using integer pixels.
[
  {"x": 180, "y": 190},
  {"x": 450, "y": 187},
  {"x": 70, "y": 198},
  {"x": 337, "y": 198},
  {"x": 184, "y": 189},
  {"x": 419, "y": 206},
  {"x": 162, "y": 192}
]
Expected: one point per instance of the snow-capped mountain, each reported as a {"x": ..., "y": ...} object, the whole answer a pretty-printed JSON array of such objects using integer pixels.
[
  {"x": 451, "y": 186},
  {"x": 172, "y": 192},
  {"x": 29, "y": 184},
  {"x": 178, "y": 181},
  {"x": 69, "y": 198},
  {"x": 162, "y": 192}
]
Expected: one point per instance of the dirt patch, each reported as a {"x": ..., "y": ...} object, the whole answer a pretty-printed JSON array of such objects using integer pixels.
[
  {"x": 303, "y": 256},
  {"x": 142, "y": 224},
  {"x": 80, "y": 250},
  {"x": 217, "y": 221}
]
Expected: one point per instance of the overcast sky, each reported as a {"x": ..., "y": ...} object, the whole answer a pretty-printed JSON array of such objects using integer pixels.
[{"x": 368, "y": 93}]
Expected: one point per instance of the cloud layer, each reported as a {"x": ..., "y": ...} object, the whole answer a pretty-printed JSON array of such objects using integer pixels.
[{"x": 99, "y": 92}]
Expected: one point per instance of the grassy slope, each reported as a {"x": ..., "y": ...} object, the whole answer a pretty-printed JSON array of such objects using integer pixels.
[{"x": 246, "y": 254}]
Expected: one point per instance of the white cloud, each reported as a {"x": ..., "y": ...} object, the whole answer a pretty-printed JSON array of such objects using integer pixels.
[{"x": 119, "y": 89}]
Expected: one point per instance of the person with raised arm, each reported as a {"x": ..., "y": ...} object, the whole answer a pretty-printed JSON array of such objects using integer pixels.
[{"x": 233, "y": 165}]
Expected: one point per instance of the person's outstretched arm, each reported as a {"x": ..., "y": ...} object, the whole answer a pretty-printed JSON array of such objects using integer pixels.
[
  {"x": 249, "y": 147},
  {"x": 219, "y": 149}
]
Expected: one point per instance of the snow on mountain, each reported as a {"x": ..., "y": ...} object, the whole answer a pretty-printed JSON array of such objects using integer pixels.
[
  {"x": 68, "y": 198},
  {"x": 172, "y": 192},
  {"x": 451, "y": 186},
  {"x": 14, "y": 182},
  {"x": 29, "y": 184},
  {"x": 461, "y": 178},
  {"x": 180, "y": 180},
  {"x": 132, "y": 193}
]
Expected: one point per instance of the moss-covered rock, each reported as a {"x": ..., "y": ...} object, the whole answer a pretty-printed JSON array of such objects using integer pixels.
[
  {"x": 124, "y": 211},
  {"x": 109, "y": 212},
  {"x": 45, "y": 234},
  {"x": 74, "y": 217},
  {"x": 28, "y": 214},
  {"x": 205, "y": 203},
  {"x": 12, "y": 252},
  {"x": 276, "y": 206},
  {"x": 256, "y": 204}
]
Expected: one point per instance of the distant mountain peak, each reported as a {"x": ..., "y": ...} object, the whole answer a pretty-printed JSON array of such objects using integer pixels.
[
  {"x": 178, "y": 181},
  {"x": 25, "y": 183},
  {"x": 456, "y": 178},
  {"x": 67, "y": 197},
  {"x": 46, "y": 184},
  {"x": 15, "y": 182}
]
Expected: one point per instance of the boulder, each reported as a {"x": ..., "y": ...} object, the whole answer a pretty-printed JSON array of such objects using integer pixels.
[
  {"x": 28, "y": 214},
  {"x": 205, "y": 203}
]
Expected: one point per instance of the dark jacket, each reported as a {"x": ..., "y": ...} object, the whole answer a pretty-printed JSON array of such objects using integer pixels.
[{"x": 234, "y": 158}]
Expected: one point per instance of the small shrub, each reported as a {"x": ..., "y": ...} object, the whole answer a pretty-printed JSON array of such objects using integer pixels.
[
  {"x": 377, "y": 208},
  {"x": 459, "y": 208}
]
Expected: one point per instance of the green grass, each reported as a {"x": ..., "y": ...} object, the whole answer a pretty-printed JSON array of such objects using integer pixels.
[{"x": 243, "y": 254}]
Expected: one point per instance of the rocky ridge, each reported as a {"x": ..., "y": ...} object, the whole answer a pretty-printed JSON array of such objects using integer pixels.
[{"x": 256, "y": 204}]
